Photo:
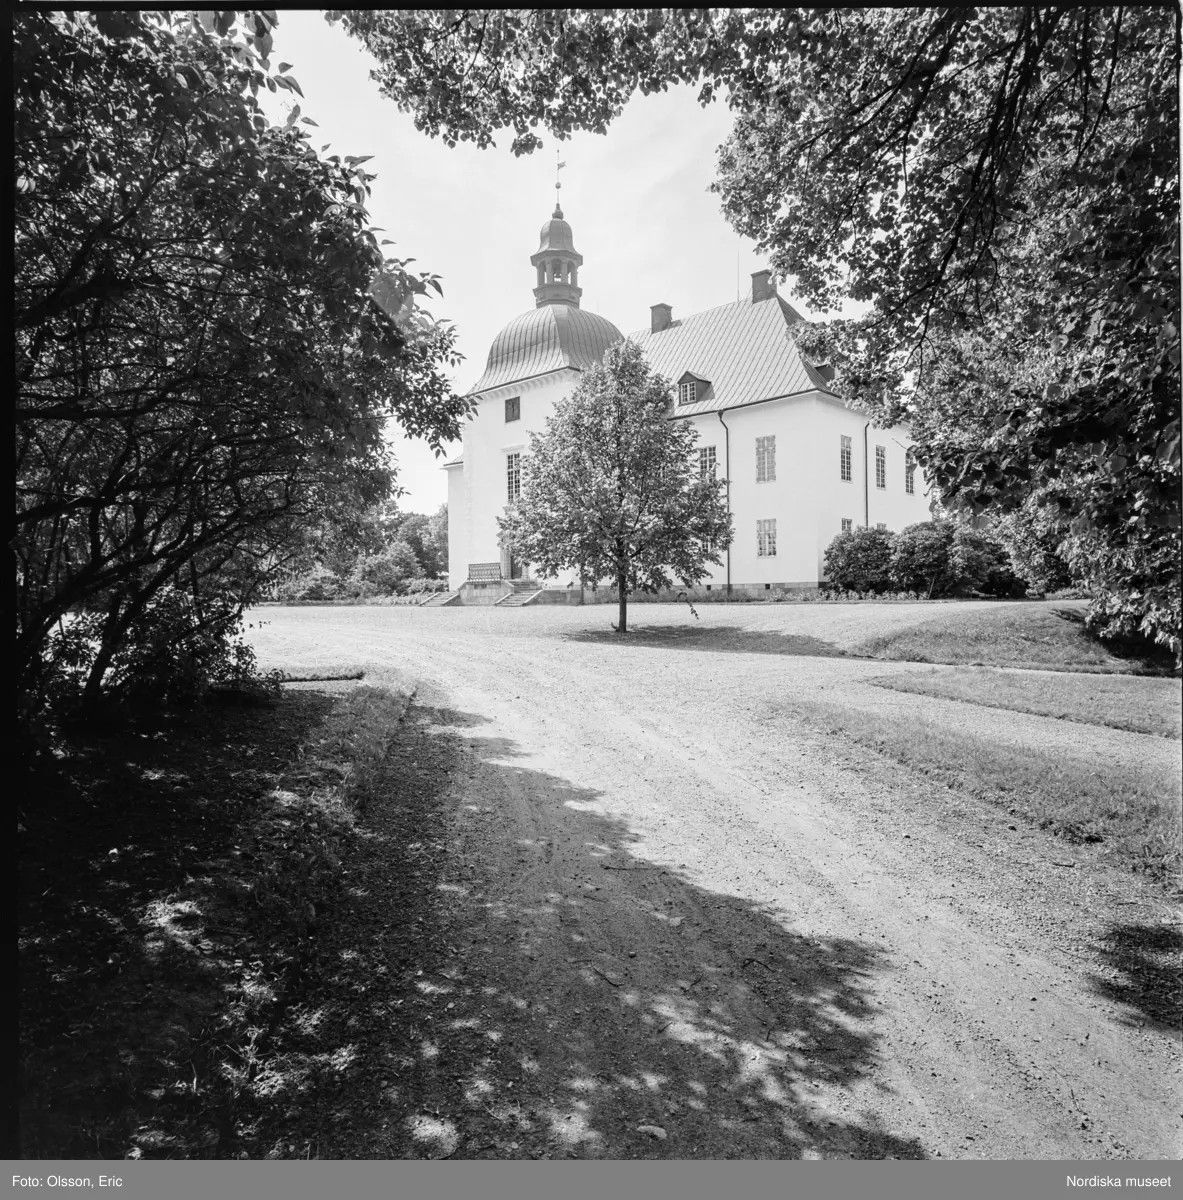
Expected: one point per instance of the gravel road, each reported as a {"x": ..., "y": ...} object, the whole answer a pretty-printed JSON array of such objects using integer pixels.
[{"x": 681, "y": 922}]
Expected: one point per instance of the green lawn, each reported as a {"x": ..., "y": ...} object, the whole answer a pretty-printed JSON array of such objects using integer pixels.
[
  {"x": 1136, "y": 817},
  {"x": 1140, "y": 704},
  {"x": 1010, "y": 636}
]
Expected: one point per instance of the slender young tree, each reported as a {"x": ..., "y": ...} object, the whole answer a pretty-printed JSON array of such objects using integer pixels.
[{"x": 610, "y": 488}]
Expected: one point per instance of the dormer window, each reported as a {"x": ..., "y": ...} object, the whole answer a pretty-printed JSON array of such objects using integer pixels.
[{"x": 691, "y": 388}]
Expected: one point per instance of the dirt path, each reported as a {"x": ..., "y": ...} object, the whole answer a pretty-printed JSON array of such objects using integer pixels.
[{"x": 666, "y": 924}]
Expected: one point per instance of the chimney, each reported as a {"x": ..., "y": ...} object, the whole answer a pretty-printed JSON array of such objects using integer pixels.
[
  {"x": 660, "y": 316},
  {"x": 763, "y": 286}
]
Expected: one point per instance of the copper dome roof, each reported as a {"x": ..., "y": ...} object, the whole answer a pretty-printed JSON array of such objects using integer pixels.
[
  {"x": 556, "y": 234},
  {"x": 547, "y": 339}
]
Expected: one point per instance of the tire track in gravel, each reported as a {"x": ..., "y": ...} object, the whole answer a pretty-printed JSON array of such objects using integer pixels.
[{"x": 842, "y": 958}]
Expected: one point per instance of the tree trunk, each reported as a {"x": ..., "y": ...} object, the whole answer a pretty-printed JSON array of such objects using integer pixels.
[
  {"x": 119, "y": 621},
  {"x": 622, "y": 595},
  {"x": 113, "y": 630}
]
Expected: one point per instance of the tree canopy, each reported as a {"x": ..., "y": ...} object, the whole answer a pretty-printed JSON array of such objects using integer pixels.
[
  {"x": 1000, "y": 184},
  {"x": 610, "y": 488},
  {"x": 209, "y": 339}
]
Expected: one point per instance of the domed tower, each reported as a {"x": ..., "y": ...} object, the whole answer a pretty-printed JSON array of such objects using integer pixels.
[
  {"x": 535, "y": 361},
  {"x": 556, "y": 333},
  {"x": 557, "y": 262}
]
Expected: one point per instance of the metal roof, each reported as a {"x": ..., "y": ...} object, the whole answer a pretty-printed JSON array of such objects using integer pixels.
[
  {"x": 547, "y": 339},
  {"x": 556, "y": 235},
  {"x": 743, "y": 349}
]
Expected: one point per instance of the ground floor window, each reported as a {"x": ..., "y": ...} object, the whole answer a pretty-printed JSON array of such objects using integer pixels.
[{"x": 766, "y": 538}]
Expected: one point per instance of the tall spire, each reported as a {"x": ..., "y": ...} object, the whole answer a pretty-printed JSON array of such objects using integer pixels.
[{"x": 556, "y": 260}]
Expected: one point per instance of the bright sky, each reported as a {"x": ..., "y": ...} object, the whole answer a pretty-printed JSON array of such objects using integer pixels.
[{"x": 636, "y": 200}]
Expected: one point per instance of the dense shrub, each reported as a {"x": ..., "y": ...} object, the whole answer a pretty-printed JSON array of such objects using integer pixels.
[
  {"x": 940, "y": 558},
  {"x": 174, "y": 653},
  {"x": 387, "y": 573},
  {"x": 1147, "y": 606},
  {"x": 1034, "y": 537},
  {"x": 317, "y": 583},
  {"x": 922, "y": 559},
  {"x": 984, "y": 565},
  {"x": 860, "y": 560},
  {"x": 418, "y": 586}
]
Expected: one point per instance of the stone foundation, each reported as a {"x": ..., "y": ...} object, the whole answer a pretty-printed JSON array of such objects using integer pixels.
[
  {"x": 484, "y": 593},
  {"x": 716, "y": 594}
]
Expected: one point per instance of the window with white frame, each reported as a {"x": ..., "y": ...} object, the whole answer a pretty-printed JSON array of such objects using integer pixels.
[
  {"x": 847, "y": 524},
  {"x": 766, "y": 538},
  {"x": 513, "y": 471},
  {"x": 706, "y": 461},
  {"x": 687, "y": 392},
  {"x": 847, "y": 458},
  {"x": 910, "y": 473},
  {"x": 766, "y": 459},
  {"x": 881, "y": 466},
  {"x": 513, "y": 408},
  {"x": 881, "y": 525}
]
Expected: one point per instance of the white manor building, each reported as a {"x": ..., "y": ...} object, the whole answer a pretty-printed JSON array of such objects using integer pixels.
[{"x": 800, "y": 466}]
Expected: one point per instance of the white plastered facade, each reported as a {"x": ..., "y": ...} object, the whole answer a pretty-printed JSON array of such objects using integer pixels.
[
  {"x": 753, "y": 384},
  {"x": 478, "y": 486},
  {"x": 807, "y": 497}
]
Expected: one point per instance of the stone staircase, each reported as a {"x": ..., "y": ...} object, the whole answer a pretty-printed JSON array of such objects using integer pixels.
[
  {"x": 524, "y": 590},
  {"x": 439, "y": 599}
]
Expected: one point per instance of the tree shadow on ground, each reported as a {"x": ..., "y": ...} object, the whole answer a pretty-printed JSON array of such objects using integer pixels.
[
  {"x": 1148, "y": 657},
  {"x": 111, "y": 1014},
  {"x": 1147, "y": 959},
  {"x": 720, "y": 639},
  {"x": 495, "y": 1012}
]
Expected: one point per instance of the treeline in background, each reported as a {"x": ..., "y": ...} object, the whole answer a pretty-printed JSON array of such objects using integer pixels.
[{"x": 378, "y": 553}]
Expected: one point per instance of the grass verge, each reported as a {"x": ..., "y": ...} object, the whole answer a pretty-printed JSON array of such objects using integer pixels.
[
  {"x": 1137, "y": 819},
  {"x": 350, "y": 746},
  {"x": 1015, "y": 635},
  {"x": 160, "y": 936},
  {"x": 1138, "y": 704}
]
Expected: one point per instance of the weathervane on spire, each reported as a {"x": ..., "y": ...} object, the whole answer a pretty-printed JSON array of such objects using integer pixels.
[{"x": 558, "y": 167}]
